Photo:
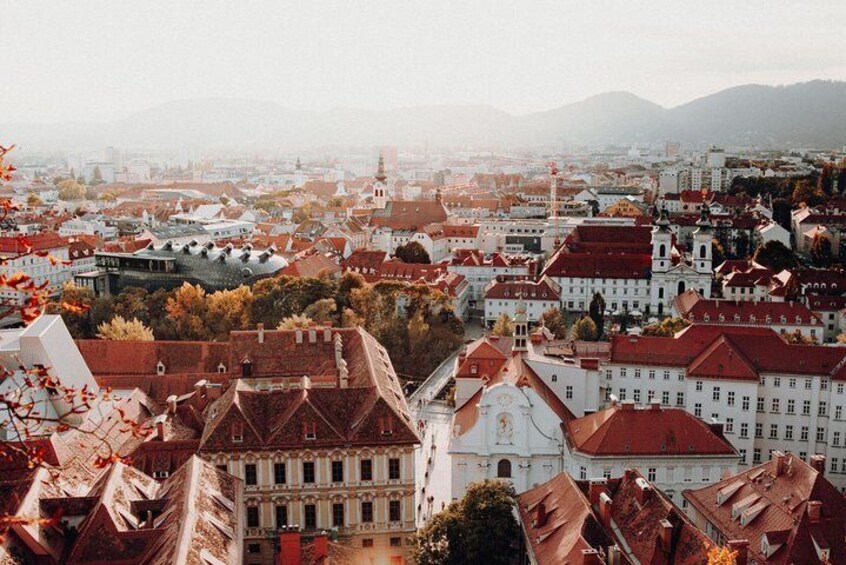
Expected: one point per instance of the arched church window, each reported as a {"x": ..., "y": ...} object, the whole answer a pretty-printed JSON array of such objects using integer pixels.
[{"x": 503, "y": 469}]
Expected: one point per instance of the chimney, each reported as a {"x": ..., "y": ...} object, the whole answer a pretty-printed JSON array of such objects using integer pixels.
[
  {"x": 299, "y": 334},
  {"x": 596, "y": 488},
  {"x": 260, "y": 328},
  {"x": 643, "y": 491},
  {"x": 160, "y": 426},
  {"x": 312, "y": 335},
  {"x": 305, "y": 382},
  {"x": 666, "y": 533},
  {"x": 320, "y": 549},
  {"x": 628, "y": 404},
  {"x": 655, "y": 405},
  {"x": 591, "y": 557},
  {"x": 200, "y": 398},
  {"x": 327, "y": 334},
  {"x": 290, "y": 552},
  {"x": 605, "y": 509},
  {"x": 171, "y": 404},
  {"x": 740, "y": 547},
  {"x": 814, "y": 510},
  {"x": 818, "y": 463},
  {"x": 778, "y": 457},
  {"x": 614, "y": 555}
]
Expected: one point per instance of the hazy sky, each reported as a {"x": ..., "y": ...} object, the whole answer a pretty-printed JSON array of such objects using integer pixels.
[{"x": 83, "y": 60}]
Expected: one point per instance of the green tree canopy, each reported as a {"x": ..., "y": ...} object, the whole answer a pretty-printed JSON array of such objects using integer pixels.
[
  {"x": 776, "y": 256},
  {"x": 821, "y": 251},
  {"x": 596, "y": 311},
  {"x": 480, "y": 528},
  {"x": 413, "y": 252},
  {"x": 584, "y": 330}
]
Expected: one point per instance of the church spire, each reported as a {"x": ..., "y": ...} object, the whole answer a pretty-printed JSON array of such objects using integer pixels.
[
  {"x": 299, "y": 166},
  {"x": 380, "y": 174}
]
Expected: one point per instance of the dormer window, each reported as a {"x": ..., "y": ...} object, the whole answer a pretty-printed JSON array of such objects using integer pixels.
[
  {"x": 246, "y": 368},
  {"x": 474, "y": 369},
  {"x": 237, "y": 432},
  {"x": 310, "y": 430},
  {"x": 160, "y": 368},
  {"x": 386, "y": 425},
  {"x": 221, "y": 368}
]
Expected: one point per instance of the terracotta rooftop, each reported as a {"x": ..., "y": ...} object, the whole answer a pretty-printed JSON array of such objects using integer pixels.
[
  {"x": 785, "y": 508},
  {"x": 693, "y": 307},
  {"x": 732, "y": 352},
  {"x": 409, "y": 214},
  {"x": 568, "y": 521},
  {"x": 338, "y": 383},
  {"x": 654, "y": 431}
]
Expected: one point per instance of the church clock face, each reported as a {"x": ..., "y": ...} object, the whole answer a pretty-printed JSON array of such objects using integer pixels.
[{"x": 504, "y": 399}]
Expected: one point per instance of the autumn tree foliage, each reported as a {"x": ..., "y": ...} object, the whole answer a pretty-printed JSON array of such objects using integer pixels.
[
  {"x": 121, "y": 329},
  {"x": 722, "y": 556},
  {"x": 553, "y": 320},
  {"x": 503, "y": 326},
  {"x": 415, "y": 323},
  {"x": 668, "y": 327}
]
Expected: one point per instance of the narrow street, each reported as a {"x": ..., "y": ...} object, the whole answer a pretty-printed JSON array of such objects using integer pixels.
[{"x": 432, "y": 467}]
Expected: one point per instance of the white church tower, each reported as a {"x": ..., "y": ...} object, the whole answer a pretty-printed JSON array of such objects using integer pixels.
[
  {"x": 380, "y": 187},
  {"x": 662, "y": 244},
  {"x": 702, "y": 241},
  {"x": 521, "y": 328}
]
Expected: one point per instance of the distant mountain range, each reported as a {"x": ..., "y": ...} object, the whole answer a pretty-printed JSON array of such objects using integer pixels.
[{"x": 804, "y": 114}]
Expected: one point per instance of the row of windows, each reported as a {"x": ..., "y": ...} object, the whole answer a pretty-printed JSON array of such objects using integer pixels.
[
  {"x": 650, "y": 395},
  {"x": 310, "y": 514},
  {"x": 807, "y": 383},
  {"x": 775, "y": 403},
  {"x": 280, "y": 476},
  {"x": 651, "y": 374},
  {"x": 788, "y": 432}
]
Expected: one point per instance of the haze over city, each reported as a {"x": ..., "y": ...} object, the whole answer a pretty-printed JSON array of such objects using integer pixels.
[
  {"x": 85, "y": 60},
  {"x": 422, "y": 283}
]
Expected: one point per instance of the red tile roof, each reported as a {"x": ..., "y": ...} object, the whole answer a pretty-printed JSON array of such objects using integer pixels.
[
  {"x": 409, "y": 214},
  {"x": 566, "y": 521},
  {"x": 543, "y": 289},
  {"x": 599, "y": 265},
  {"x": 39, "y": 242},
  {"x": 774, "y": 499},
  {"x": 715, "y": 351},
  {"x": 559, "y": 522},
  {"x": 360, "y": 414},
  {"x": 313, "y": 265},
  {"x": 363, "y": 261},
  {"x": 696, "y": 309},
  {"x": 624, "y": 430}
]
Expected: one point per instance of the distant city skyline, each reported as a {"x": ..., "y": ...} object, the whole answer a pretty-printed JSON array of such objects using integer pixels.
[{"x": 93, "y": 61}]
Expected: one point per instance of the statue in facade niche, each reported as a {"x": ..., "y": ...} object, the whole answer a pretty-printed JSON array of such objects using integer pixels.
[{"x": 504, "y": 428}]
